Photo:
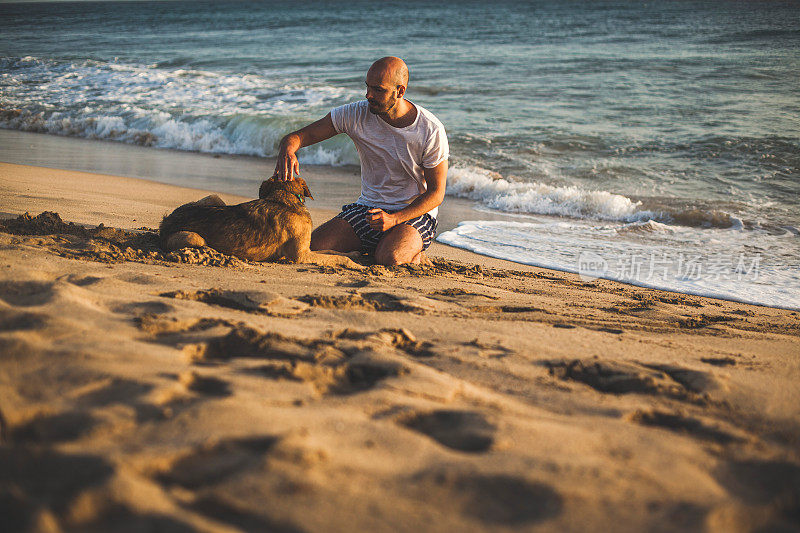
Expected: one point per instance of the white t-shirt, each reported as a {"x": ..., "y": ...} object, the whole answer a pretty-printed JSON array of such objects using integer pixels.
[{"x": 392, "y": 159}]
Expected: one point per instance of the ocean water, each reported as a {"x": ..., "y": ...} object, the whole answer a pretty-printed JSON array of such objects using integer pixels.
[{"x": 652, "y": 142}]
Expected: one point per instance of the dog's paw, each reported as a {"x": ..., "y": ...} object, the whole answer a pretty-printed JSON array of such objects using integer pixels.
[
  {"x": 184, "y": 239},
  {"x": 330, "y": 258},
  {"x": 346, "y": 262}
]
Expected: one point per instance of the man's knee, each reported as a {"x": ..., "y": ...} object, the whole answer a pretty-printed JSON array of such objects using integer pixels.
[
  {"x": 336, "y": 234},
  {"x": 390, "y": 257},
  {"x": 403, "y": 245}
]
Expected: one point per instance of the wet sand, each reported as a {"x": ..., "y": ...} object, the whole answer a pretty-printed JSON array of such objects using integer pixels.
[{"x": 192, "y": 391}]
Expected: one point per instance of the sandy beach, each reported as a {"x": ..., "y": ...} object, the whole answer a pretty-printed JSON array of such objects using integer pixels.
[{"x": 145, "y": 391}]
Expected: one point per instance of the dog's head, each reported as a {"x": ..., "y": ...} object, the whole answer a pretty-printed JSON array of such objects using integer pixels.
[{"x": 273, "y": 185}]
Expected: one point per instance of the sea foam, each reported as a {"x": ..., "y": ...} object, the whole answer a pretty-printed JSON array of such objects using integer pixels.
[{"x": 748, "y": 266}]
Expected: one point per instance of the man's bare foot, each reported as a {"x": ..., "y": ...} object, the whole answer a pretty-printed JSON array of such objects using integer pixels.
[{"x": 421, "y": 259}]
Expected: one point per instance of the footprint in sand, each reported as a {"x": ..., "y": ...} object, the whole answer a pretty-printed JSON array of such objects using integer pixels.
[
  {"x": 81, "y": 280},
  {"x": 377, "y": 301},
  {"x": 26, "y": 293},
  {"x": 374, "y": 301},
  {"x": 364, "y": 375},
  {"x": 318, "y": 362},
  {"x": 466, "y": 431},
  {"x": 719, "y": 361},
  {"x": 621, "y": 377},
  {"x": 61, "y": 427},
  {"x": 244, "y": 341},
  {"x": 347, "y": 362},
  {"x": 458, "y": 295},
  {"x": 693, "y": 380},
  {"x": 138, "y": 279},
  {"x": 770, "y": 490},
  {"x": 399, "y": 338},
  {"x": 355, "y": 284},
  {"x": 502, "y": 310},
  {"x": 11, "y": 320},
  {"x": 208, "y": 385},
  {"x": 43, "y": 480},
  {"x": 276, "y": 370},
  {"x": 140, "y": 308},
  {"x": 111, "y": 391},
  {"x": 493, "y": 499},
  {"x": 208, "y": 465},
  {"x": 681, "y": 423},
  {"x": 248, "y": 301},
  {"x": 230, "y": 512},
  {"x": 342, "y": 378},
  {"x": 163, "y": 327}
]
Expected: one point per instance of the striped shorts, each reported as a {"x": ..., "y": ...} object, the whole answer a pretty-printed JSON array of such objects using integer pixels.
[{"x": 356, "y": 215}]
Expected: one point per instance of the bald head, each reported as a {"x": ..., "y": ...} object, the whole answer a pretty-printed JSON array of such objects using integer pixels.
[
  {"x": 386, "y": 83},
  {"x": 392, "y": 69}
]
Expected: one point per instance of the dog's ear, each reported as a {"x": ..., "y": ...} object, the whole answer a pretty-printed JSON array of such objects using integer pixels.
[{"x": 306, "y": 192}]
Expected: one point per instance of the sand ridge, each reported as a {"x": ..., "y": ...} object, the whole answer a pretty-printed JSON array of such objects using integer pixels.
[{"x": 178, "y": 395}]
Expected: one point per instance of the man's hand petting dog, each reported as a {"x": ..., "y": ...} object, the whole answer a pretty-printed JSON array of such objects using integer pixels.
[
  {"x": 380, "y": 220},
  {"x": 287, "y": 166}
]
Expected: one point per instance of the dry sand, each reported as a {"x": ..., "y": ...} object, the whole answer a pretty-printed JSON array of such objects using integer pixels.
[{"x": 143, "y": 391}]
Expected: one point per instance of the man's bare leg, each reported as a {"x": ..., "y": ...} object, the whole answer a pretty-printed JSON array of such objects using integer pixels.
[
  {"x": 336, "y": 234},
  {"x": 401, "y": 244}
]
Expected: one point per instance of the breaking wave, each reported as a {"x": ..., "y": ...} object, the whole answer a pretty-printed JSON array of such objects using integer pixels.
[
  {"x": 534, "y": 198},
  {"x": 181, "y": 109}
]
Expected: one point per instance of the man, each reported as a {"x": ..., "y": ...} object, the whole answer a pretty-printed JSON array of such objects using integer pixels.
[{"x": 403, "y": 151}]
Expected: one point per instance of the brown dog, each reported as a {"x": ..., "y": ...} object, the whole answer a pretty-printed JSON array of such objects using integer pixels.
[{"x": 275, "y": 226}]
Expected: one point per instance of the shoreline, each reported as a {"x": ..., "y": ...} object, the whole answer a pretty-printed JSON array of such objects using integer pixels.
[
  {"x": 173, "y": 393},
  {"x": 239, "y": 176},
  {"x": 86, "y": 189},
  {"x": 332, "y": 186}
]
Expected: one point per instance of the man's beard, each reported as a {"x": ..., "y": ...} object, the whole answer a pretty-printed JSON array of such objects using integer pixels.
[{"x": 382, "y": 110}]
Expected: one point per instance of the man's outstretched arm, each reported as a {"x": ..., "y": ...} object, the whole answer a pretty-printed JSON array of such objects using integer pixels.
[
  {"x": 436, "y": 182},
  {"x": 287, "y": 166}
]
